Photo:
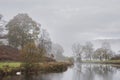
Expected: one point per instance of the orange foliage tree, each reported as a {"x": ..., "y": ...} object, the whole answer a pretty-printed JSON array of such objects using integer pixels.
[{"x": 30, "y": 53}]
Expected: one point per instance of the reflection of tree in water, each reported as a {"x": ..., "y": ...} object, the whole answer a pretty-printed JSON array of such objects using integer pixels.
[
  {"x": 27, "y": 77},
  {"x": 83, "y": 72},
  {"x": 11, "y": 78},
  {"x": 48, "y": 77},
  {"x": 15, "y": 77},
  {"x": 77, "y": 72},
  {"x": 34, "y": 77},
  {"x": 93, "y": 71},
  {"x": 89, "y": 73},
  {"x": 104, "y": 71},
  {"x": 43, "y": 77}
]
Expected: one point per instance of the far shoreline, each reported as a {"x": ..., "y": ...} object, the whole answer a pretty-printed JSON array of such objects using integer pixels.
[{"x": 102, "y": 62}]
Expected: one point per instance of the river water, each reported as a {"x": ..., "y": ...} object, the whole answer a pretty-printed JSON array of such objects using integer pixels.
[{"x": 77, "y": 72}]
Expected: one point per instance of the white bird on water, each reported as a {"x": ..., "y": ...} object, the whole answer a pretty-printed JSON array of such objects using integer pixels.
[{"x": 18, "y": 73}]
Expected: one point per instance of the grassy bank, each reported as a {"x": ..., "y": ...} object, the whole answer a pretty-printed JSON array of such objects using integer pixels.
[
  {"x": 48, "y": 67},
  {"x": 54, "y": 66},
  {"x": 103, "y": 62}
]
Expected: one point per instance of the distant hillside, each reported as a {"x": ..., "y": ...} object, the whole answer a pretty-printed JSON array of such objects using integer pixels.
[
  {"x": 115, "y": 43},
  {"x": 111, "y": 41},
  {"x": 8, "y": 53}
]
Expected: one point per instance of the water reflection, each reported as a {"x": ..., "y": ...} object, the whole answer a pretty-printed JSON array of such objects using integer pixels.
[
  {"x": 78, "y": 72},
  {"x": 52, "y": 76},
  {"x": 93, "y": 72}
]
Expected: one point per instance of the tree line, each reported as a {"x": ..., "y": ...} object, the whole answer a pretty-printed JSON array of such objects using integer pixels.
[
  {"x": 87, "y": 52},
  {"x": 27, "y": 35}
]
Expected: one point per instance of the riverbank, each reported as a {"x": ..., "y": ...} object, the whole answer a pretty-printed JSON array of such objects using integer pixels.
[
  {"x": 102, "y": 62},
  {"x": 9, "y": 68}
]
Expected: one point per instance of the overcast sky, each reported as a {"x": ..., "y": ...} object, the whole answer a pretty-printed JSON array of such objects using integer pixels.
[{"x": 69, "y": 21}]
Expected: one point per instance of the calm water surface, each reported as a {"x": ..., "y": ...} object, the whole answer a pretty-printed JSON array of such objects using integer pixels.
[{"x": 78, "y": 72}]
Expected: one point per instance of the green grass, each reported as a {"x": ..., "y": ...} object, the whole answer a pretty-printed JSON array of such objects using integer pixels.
[{"x": 10, "y": 64}]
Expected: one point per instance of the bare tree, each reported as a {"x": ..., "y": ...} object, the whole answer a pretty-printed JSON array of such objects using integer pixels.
[
  {"x": 88, "y": 49},
  {"x": 1, "y": 29},
  {"x": 77, "y": 49},
  {"x": 45, "y": 42},
  {"x": 105, "y": 52},
  {"x": 2, "y": 25},
  {"x": 1, "y": 16},
  {"x": 57, "y": 50},
  {"x": 98, "y": 54},
  {"x": 106, "y": 45}
]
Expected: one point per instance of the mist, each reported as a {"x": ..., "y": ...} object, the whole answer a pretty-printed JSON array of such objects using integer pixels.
[{"x": 69, "y": 21}]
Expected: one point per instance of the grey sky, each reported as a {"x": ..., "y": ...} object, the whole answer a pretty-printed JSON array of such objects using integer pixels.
[{"x": 69, "y": 21}]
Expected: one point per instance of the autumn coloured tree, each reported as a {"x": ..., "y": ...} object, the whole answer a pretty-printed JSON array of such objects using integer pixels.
[
  {"x": 31, "y": 56},
  {"x": 30, "y": 53}
]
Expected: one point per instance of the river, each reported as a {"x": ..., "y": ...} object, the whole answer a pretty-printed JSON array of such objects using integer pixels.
[{"x": 77, "y": 72}]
